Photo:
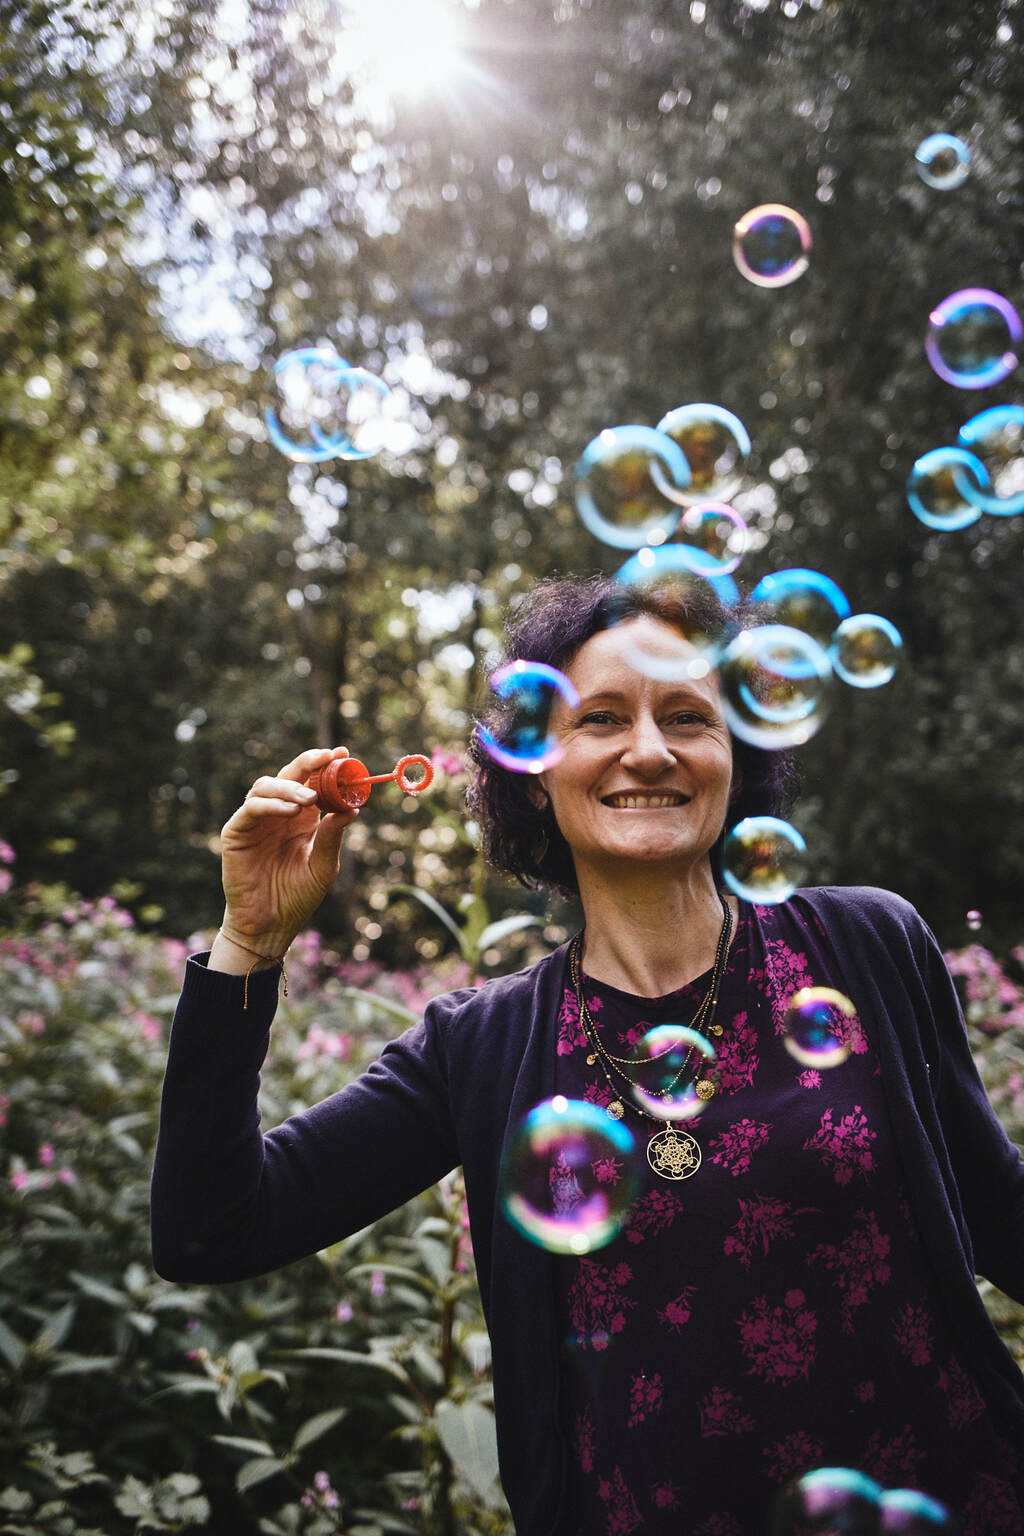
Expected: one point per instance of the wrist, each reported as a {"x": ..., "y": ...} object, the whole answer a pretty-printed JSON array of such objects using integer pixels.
[{"x": 235, "y": 956}]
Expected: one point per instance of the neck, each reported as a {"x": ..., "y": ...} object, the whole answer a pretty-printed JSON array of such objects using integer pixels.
[{"x": 649, "y": 935}]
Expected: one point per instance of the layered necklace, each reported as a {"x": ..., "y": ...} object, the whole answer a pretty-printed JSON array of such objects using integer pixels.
[{"x": 672, "y": 1153}]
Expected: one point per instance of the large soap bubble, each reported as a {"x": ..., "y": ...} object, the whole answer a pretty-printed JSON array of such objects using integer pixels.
[
  {"x": 830, "y": 1501},
  {"x": 675, "y": 565},
  {"x": 686, "y": 649},
  {"x": 816, "y": 1029},
  {"x": 665, "y": 1066},
  {"x": 320, "y": 408},
  {"x": 907, "y": 1512},
  {"x": 771, "y": 245},
  {"x": 804, "y": 600},
  {"x": 776, "y": 686},
  {"x": 937, "y": 488},
  {"x": 763, "y": 859},
  {"x": 996, "y": 436},
  {"x": 974, "y": 338},
  {"x": 865, "y": 650},
  {"x": 943, "y": 161},
  {"x": 568, "y": 1176},
  {"x": 620, "y": 486},
  {"x": 523, "y": 741},
  {"x": 716, "y": 535},
  {"x": 716, "y": 446}
]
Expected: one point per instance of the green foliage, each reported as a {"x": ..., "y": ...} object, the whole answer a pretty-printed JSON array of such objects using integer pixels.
[{"x": 348, "y": 1394}]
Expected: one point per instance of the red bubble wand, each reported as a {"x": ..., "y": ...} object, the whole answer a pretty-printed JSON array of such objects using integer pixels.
[{"x": 345, "y": 783}]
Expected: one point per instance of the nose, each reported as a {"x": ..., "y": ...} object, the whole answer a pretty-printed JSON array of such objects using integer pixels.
[{"x": 646, "y": 751}]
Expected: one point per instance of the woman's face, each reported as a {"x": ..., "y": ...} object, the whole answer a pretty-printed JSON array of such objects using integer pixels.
[{"x": 647, "y": 767}]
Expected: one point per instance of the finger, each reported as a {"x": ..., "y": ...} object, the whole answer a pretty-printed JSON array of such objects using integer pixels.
[
  {"x": 307, "y": 762},
  {"x": 281, "y": 789},
  {"x": 325, "y": 855}
]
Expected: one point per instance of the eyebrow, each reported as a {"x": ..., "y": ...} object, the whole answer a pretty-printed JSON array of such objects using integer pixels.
[{"x": 616, "y": 695}]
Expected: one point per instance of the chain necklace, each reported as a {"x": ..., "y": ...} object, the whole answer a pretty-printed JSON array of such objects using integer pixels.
[{"x": 672, "y": 1153}]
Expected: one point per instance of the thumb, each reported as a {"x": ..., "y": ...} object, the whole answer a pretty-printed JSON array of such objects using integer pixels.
[{"x": 325, "y": 854}]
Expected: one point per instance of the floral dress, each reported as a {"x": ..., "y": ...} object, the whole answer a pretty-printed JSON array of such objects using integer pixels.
[{"x": 775, "y": 1311}]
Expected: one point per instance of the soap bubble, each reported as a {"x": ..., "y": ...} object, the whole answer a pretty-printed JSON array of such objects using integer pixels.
[
  {"x": 996, "y": 436},
  {"x": 523, "y": 741},
  {"x": 763, "y": 859},
  {"x": 675, "y": 565},
  {"x": 304, "y": 393},
  {"x": 911, "y": 1513},
  {"x": 776, "y": 686},
  {"x": 620, "y": 485},
  {"x": 665, "y": 1066},
  {"x": 865, "y": 650},
  {"x": 683, "y": 650},
  {"x": 974, "y": 338},
  {"x": 362, "y": 428},
  {"x": 815, "y": 1030},
  {"x": 771, "y": 245},
  {"x": 716, "y": 447},
  {"x": 830, "y": 1501},
  {"x": 716, "y": 535},
  {"x": 804, "y": 600},
  {"x": 937, "y": 488},
  {"x": 943, "y": 161},
  {"x": 568, "y": 1176}
]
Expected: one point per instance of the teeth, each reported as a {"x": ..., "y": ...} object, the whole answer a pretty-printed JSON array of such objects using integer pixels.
[{"x": 635, "y": 802}]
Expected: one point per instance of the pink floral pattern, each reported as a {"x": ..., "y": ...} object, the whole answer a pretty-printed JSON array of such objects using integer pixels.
[
  {"x": 737, "y": 1056},
  {"x": 722, "y": 1413},
  {"x": 623, "y": 1514},
  {"x": 860, "y": 1264},
  {"x": 845, "y": 1144},
  {"x": 761, "y": 1222},
  {"x": 912, "y": 1330},
  {"x": 895, "y": 1462},
  {"x": 735, "y": 1147},
  {"x": 652, "y": 1214},
  {"x": 963, "y": 1400},
  {"x": 645, "y": 1398},
  {"x": 598, "y": 1303},
  {"x": 779, "y": 1341},
  {"x": 793, "y": 1455},
  {"x": 674, "y": 1314}
]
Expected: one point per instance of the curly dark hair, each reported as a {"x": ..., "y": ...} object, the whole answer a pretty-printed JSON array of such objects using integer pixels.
[{"x": 550, "y": 625}]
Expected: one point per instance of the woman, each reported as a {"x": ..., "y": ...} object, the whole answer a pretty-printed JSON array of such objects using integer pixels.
[{"x": 794, "y": 1284}]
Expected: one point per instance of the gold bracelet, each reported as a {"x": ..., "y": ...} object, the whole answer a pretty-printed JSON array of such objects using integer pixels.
[{"x": 271, "y": 960}]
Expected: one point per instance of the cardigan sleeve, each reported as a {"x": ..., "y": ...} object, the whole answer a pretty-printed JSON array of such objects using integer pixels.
[{"x": 230, "y": 1201}]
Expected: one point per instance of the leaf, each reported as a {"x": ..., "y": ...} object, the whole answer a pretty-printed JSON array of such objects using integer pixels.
[
  {"x": 346, "y": 1357},
  {"x": 100, "y": 1290},
  {"x": 432, "y": 906},
  {"x": 11, "y": 1347},
  {"x": 55, "y": 1329},
  {"x": 386, "y": 1004},
  {"x": 317, "y": 1426},
  {"x": 249, "y": 1379},
  {"x": 468, "y": 1435},
  {"x": 258, "y": 1471},
  {"x": 84, "y": 1365},
  {"x": 242, "y": 1443},
  {"x": 505, "y": 926}
]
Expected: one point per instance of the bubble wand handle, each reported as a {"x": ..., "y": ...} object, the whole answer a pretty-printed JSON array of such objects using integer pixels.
[{"x": 345, "y": 783}]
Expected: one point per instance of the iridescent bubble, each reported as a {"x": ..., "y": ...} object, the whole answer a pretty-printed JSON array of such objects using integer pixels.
[
  {"x": 771, "y": 245},
  {"x": 716, "y": 447},
  {"x": 974, "y": 338},
  {"x": 361, "y": 405},
  {"x": 865, "y": 650},
  {"x": 816, "y": 1030},
  {"x": 910, "y": 1513},
  {"x": 776, "y": 686},
  {"x": 996, "y": 436},
  {"x": 617, "y": 495},
  {"x": 716, "y": 535},
  {"x": 522, "y": 740},
  {"x": 937, "y": 488},
  {"x": 568, "y": 1176},
  {"x": 804, "y": 600},
  {"x": 974, "y": 920},
  {"x": 830, "y": 1501},
  {"x": 684, "y": 650},
  {"x": 763, "y": 859},
  {"x": 665, "y": 1066},
  {"x": 943, "y": 161},
  {"x": 304, "y": 392}
]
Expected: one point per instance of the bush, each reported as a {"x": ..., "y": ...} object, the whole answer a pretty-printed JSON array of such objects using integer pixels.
[{"x": 348, "y": 1393}]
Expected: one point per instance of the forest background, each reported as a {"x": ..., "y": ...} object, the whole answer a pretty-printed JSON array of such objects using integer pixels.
[{"x": 530, "y": 239}]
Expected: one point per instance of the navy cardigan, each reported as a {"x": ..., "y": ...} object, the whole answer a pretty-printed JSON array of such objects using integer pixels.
[{"x": 229, "y": 1202}]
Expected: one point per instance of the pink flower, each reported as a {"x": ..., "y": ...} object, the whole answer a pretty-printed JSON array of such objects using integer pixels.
[
  {"x": 377, "y": 1283},
  {"x": 45, "y": 1155},
  {"x": 342, "y": 1312},
  {"x": 6, "y": 853},
  {"x": 65, "y": 1176},
  {"x": 6, "y": 881},
  {"x": 447, "y": 762},
  {"x": 5, "y": 1105},
  {"x": 31, "y": 1023},
  {"x": 19, "y": 1179}
]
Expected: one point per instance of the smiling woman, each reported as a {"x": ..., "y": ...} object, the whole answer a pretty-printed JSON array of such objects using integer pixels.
[{"x": 401, "y": 47}]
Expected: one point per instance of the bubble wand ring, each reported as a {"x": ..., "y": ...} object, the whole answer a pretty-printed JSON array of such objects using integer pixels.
[{"x": 345, "y": 783}]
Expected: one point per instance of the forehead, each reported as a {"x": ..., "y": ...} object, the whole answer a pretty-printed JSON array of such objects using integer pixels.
[{"x": 667, "y": 661}]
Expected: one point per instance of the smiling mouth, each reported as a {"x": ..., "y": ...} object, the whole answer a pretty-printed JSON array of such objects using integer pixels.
[{"x": 644, "y": 800}]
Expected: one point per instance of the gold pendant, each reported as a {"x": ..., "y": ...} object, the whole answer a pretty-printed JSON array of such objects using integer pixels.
[
  {"x": 591, "y": 1060},
  {"x": 705, "y": 1088},
  {"x": 615, "y": 1110},
  {"x": 673, "y": 1154}
]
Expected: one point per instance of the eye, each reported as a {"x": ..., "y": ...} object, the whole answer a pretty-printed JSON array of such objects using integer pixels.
[
  {"x": 689, "y": 719},
  {"x": 597, "y": 717}
]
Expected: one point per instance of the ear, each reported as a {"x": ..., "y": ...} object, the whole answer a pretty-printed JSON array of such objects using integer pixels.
[{"x": 536, "y": 792}]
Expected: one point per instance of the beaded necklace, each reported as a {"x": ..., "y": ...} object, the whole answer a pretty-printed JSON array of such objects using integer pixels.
[{"x": 672, "y": 1153}]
